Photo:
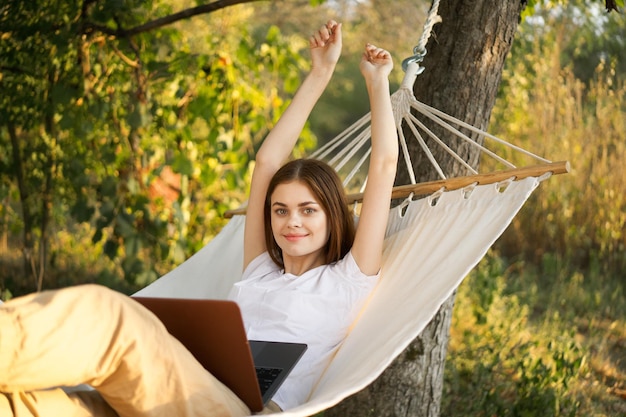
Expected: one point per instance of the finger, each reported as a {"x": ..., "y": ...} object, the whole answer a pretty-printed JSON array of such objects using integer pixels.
[
  {"x": 313, "y": 42},
  {"x": 333, "y": 27},
  {"x": 318, "y": 39},
  {"x": 321, "y": 36},
  {"x": 330, "y": 32},
  {"x": 382, "y": 54},
  {"x": 373, "y": 52},
  {"x": 336, "y": 32}
]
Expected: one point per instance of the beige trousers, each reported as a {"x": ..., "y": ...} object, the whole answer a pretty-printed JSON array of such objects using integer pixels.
[{"x": 92, "y": 335}]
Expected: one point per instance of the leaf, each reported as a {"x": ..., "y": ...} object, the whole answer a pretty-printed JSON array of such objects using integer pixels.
[
  {"x": 110, "y": 248},
  {"x": 182, "y": 165},
  {"x": 124, "y": 225},
  {"x": 82, "y": 211},
  {"x": 107, "y": 212},
  {"x": 133, "y": 186},
  {"x": 145, "y": 277},
  {"x": 97, "y": 236},
  {"x": 108, "y": 187},
  {"x": 138, "y": 117},
  {"x": 132, "y": 267},
  {"x": 132, "y": 245},
  {"x": 62, "y": 94}
]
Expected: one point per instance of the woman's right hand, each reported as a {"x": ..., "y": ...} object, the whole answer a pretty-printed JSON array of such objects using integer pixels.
[{"x": 325, "y": 46}]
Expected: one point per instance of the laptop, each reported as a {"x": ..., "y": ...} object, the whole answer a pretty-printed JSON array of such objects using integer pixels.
[{"x": 213, "y": 331}]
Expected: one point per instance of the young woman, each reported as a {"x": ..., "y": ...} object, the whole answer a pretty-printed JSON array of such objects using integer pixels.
[{"x": 307, "y": 274}]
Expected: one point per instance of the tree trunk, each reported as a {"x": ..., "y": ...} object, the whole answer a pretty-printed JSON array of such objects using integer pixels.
[
  {"x": 25, "y": 197},
  {"x": 464, "y": 63}
]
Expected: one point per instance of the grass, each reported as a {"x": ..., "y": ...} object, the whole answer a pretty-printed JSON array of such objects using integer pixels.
[{"x": 537, "y": 341}]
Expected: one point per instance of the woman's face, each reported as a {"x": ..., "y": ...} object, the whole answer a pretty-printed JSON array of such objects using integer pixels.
[{"x": 299, "y": 223}]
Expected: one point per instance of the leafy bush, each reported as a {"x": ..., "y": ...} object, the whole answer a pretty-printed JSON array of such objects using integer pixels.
[
  {"x": 546, "y": 109},
  {"x": 521, "y": 347}
]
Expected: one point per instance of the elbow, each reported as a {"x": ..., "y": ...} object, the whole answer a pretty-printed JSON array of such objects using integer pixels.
[
  {"x": 386, "y": 164},
  {"x": 390, "y": 167},
  {"x": 267, "y": 161},
  {"x": 383, "y": 169},
  {"x": 391, "y": 161}
]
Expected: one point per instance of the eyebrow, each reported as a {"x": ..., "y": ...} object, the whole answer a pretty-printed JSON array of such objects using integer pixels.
[{"x": 303, "y": 204}]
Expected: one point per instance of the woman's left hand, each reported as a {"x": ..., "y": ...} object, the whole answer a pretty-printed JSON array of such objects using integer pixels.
[{"x": 375, "y": 61}]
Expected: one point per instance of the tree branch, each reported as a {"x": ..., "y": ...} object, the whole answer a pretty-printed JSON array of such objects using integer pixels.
[
  {"x": 16, "y": 70},
  {"x": 166, "y": 20},
  {"x": 611, "y": 5}
]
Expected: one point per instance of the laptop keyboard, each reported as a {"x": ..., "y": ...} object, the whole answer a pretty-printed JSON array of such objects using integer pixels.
[{"x": 266, "y": 376}]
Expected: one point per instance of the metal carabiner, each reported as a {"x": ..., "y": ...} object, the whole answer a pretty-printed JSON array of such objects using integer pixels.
[{"x": 418, "y": 57}]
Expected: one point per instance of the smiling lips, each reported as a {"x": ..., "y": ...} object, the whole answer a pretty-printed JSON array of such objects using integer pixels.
[{"x": 294, "y": 238}]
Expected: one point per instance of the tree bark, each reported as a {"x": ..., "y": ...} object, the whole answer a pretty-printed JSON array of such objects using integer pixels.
[{"x": 464, "y": 62}]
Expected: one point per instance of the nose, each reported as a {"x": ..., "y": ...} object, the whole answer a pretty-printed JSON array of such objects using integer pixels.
[{"x": 294, "y": 220}]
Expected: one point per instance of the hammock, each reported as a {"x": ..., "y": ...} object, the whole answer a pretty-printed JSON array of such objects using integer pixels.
[{"x": 431, "y": 243}]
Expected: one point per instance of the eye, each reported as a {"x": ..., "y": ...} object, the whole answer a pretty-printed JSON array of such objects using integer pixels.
[
  {"x": 309, "y": 210},
  {"x": 280, "y": 211}
]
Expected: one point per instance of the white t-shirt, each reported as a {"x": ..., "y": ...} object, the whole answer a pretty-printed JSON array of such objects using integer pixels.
[{"x": 315, "y": 308}]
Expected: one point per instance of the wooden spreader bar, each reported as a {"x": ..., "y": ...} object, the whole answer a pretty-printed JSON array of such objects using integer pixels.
[{"x": 403, "y": 191}]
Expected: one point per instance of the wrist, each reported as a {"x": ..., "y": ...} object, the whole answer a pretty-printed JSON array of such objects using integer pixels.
[
  {"x": 322, "y": 71},
  {"x": 377, "y": 81}
]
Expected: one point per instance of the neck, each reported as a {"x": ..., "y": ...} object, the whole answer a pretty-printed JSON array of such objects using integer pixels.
[{"x": 298, "y": 265}]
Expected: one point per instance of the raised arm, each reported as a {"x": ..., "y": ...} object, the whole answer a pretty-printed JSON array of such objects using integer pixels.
[
  {"x": 376, "y": 65},
  {"x": 325, "y": 46}
]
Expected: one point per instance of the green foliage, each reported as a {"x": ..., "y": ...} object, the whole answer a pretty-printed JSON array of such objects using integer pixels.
[
  {"x": 142, "y": 138},
  {"x": 586, "y": 35},
  {"x": 545, "y": 108},
  {"x": 532, "y": 5},
  {"x": 520, "y": 348}
]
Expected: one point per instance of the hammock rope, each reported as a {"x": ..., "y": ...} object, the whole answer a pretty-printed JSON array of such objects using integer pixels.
[{"x": 419, "y": 51}]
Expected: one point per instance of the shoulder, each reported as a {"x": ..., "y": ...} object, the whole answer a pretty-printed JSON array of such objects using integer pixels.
[
  {"x": 259, "y": 266},
  {"x": 349, "y": 265},
  {"x": 346, "y": 269}
]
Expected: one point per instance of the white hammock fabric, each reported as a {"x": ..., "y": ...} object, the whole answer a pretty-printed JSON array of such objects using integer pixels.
[
  {"x": 429, "y": 249},
  {"x": 431, "y": 243}
]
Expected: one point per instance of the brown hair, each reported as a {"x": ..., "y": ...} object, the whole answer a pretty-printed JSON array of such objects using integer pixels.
[{"x": 326, "y": 186}]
